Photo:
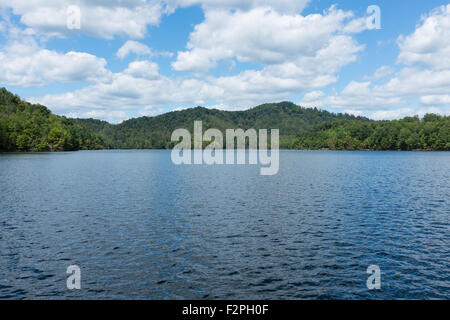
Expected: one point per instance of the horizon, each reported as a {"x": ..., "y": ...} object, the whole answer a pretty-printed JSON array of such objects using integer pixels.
[
  {"x": 379, "y": 59},
  {"x": 251, "y": 108},
  {"x": 244, "y": 110}
]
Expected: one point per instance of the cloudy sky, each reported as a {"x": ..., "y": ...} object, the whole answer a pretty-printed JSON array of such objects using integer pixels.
[{"x": 119, "y": 59}]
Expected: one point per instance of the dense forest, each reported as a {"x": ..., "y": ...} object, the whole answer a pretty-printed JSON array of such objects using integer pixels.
[
  {"x": 30, "y": 127},
  {"x": 155, "y": 132},
  {"x": 411, "y": 133}
]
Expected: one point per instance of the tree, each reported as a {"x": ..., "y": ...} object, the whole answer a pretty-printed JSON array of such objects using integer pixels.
[{"x": 23, "y": 142}]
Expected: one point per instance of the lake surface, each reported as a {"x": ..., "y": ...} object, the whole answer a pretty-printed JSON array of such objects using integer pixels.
[{"x": 140, "y": 227}]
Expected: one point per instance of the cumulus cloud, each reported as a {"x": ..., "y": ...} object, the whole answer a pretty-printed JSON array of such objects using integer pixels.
[
  {"x": 260, "y": 35},
  {"x": 294, "y": 53},
  {"x": 108, "y": 115},
  {"x": 381, "y": 72},
  {"x": 105, "y": 19},
  {"x": 25, "y": 63},
  {"x": 276, "y": 82},
  {"x": 283, "y": 6},
  {"x": 143, "y": 69},
  {"x": 99, "y": 18},
  {"x": 430, "y": 42},
  {"x": 313, "y": 95},
  {"x": 404, "y": 112},
  {"x": 139, "y": 86},
  {"x": 133, "y": 47},
  {"x": 355, "y": 96},
  {"x": 423, "y": 80},
  {"x": 436, "y": 100},
  {"x": 298, "y": 53}
]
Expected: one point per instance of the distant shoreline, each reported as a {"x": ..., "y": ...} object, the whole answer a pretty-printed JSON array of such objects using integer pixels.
[
  {"x": 355, "y": 150},
  {"x": 26, "y": 127}
]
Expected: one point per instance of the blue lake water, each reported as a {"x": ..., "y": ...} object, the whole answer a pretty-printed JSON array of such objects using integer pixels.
[{"x": 140, "y": 227}]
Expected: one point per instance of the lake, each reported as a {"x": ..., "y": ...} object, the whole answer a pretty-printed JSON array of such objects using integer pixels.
[{"x": 140, "y": 227}]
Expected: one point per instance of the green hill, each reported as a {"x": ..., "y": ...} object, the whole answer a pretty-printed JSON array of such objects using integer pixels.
[
  {"x": 155, "y": 132},
  {"x": 411, "y": 133},
  {"x": 31, "y": 127}
]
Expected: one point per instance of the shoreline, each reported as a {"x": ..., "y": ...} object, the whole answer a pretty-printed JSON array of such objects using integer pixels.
[{"x": 354, "y": 150}]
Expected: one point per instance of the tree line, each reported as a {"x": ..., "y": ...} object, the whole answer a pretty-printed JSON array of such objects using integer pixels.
[
  {"x": 156, "y": 132},
  {"x": 432, "y": 132},
  {"x": 32, "y": 127}
]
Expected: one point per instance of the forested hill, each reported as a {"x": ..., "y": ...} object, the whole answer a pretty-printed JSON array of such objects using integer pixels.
[
  {"x": 30, "y": 127},
  {"x": 432, "y": 133},
  {"x": 155, "y": 132}
]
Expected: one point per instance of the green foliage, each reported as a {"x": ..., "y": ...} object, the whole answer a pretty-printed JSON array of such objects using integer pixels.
[
  {"x": 155, "y": 132},
  {"x": 28, "y": 127},
  {"x": 411, "y": 133}
]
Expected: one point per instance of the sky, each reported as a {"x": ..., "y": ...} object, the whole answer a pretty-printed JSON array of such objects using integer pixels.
[{"x": 119, "y": 59}]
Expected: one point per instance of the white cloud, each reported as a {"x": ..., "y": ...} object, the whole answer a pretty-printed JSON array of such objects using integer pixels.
[
  {"x": 261, "y": 35},
  {"x": 283, "y": 6},
  {"x": 133, "y": 47},
  {"x": 437, "y": 100},
  {"x": 356, "y": 25},
  {"x": 108, "y": 115},
  {"x": 381, "y": 72},
  {"x": 298, "y": 53},
  {"x": 354, "y": 112},
  {"x": 150, "y": 111},
  {"x": 27, "y": 64},
  {"x": 139, "y": 87},
  {"x": 107, "y": 18},
  {"x": 424, "y": 78},
  {"x": 416, "y": 82},
  {"x": 355, "y": 96},
  {"x": 99, "y": 18},
  {"x": 308, "y": 56},
  {"x": 391, "y": 114},
  {"x": 143, "y": 69},
  {"x": 313, "y": 95},
  {"x": 355, "y": 88},
  {"x": 404, "y": 112},
  {"x": 430, "y": 42}
]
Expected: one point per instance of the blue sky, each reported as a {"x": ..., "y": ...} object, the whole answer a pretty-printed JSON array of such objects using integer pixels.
[{"x": 130, "y": 58}]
